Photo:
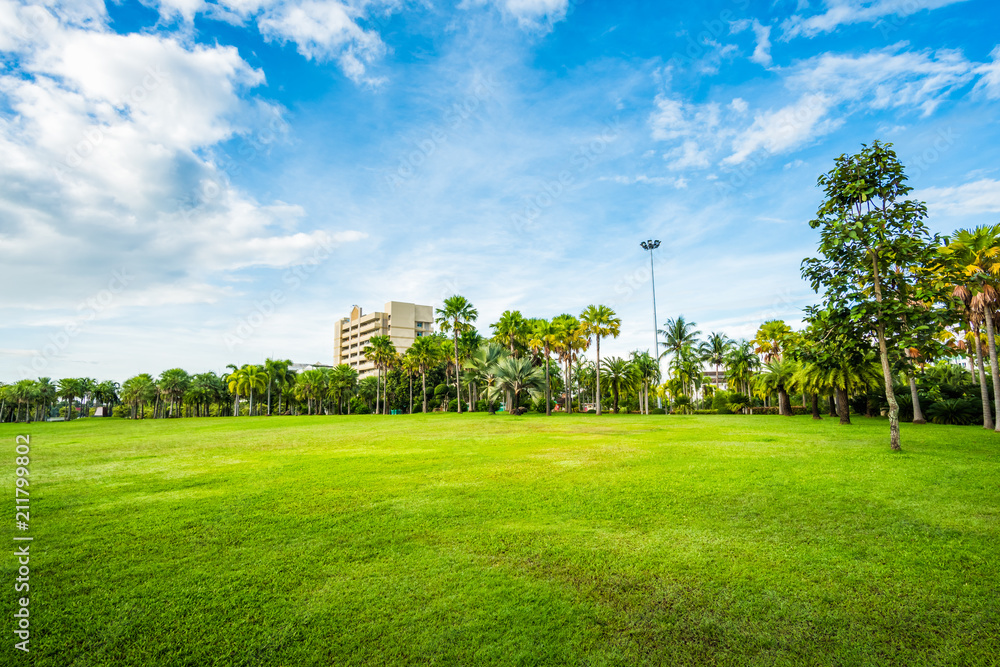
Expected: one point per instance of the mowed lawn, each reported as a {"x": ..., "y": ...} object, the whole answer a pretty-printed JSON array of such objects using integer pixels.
[{"x": 470, "y": 539}]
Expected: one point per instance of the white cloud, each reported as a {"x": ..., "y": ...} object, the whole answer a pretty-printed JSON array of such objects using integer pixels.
[
  {"x": 829, "y": 88},
  {"x": 533, "y": 14},
  {"x": 845, "y": 12},
  {"x": 324, "y": 30},
  {"x": 105, "y": 149},
  {"x": 989, "y": 73},
  {"x": 762, "y": 52},
  {"x": 687, "y": 156},
  {"x": 978, "y": 197},
  {"x": 320, "y": 29},
  {"x": 784, "y": 129}
]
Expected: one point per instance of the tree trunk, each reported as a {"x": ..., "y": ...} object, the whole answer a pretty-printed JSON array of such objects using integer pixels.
[
  {"x": 983, "y": 389},
  {"x": 598, "y": 375},
  {"x": 918, "y": 414},
  {"x": 815, "y": 406},
  {"x": 883, "y": 353},
  {"x": 411, "y": 394},
  {"x": 458, "y": 383},
  {"x": 423, "y": 376},
  {"x": 784, "y": 404},
  {"x": 991, "y": 342},
  {"x": 548, "y": 387},
  {"x": 268, "y": 397},
  {"x": 843, "y": 408},
  {"x": 833, "y": 404}
]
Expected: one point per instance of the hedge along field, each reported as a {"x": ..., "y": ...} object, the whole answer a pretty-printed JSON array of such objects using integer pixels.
[{"x": 471, "y": 539}]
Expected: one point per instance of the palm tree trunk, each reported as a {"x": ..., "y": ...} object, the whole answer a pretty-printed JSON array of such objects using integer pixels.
[
  {"x": 983, "y": 389},
  {"x": 548, "y": 388},
  {"x": 423, "y": 379},
  {"x": 833, "y": 404},
  {"x": 458, "y": 383},
  {"x": 842, "y": 407},
  {"x": 268, "y": 396},
  {"x": 598, "y": 375},
  {"x": 411, "y": 393},
  {"x": 991, "y": 342},
  {"x": 918, "y": 414},
  {"x": 784, "y": 404},
  {"x": 815, "y": 406}
]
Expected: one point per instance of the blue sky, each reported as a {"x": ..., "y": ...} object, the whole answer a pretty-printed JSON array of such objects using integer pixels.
[{"x": 189, "y": 183}]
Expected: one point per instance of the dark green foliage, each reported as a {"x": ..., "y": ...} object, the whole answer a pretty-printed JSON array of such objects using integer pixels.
[
  {"x": 657, "y": 411},
  {"x": 956, "y": 411}
]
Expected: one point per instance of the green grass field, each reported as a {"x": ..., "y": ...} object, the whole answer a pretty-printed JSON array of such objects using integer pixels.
[{"x": 459, "y": 540}]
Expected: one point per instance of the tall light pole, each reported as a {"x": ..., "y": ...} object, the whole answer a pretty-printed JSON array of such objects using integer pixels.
[{"x": 652, "y": 245}]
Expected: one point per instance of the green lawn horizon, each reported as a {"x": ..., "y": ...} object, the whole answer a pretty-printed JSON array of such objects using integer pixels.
[{"x": 476, "y": 539}]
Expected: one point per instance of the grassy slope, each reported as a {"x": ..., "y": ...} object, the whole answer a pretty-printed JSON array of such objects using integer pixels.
[{"x": 467, "y": 539}]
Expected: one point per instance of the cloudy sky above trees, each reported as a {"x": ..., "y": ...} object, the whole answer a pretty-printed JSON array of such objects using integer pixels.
[{"x": 189, "y": 183}]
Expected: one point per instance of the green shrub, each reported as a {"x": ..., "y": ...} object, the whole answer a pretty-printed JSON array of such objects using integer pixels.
[
  {"x": 121, "y": 411},
  {"x": 657, "y": 411},
  {"x": 708, "y": 412},
  {"x": 453, "y": 405},
  {"x": 738, "y": 401},
  {"x": 358, "y": 407},
  {"x": 957, "y": 411}
]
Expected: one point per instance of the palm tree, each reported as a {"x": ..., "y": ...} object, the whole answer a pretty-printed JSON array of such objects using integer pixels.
[
  {"x": 647, "y": 372},
  {"x": 714, "y": 351},
  {"x": 107, "y": 393},
  {"x": 70, "y": 388},
  {"x": 812, "y": 378},
  {"x": 777, "y": 376},
  {"x": 310, "y": 386},
  {"x": 741, "y": 362},
  {"x": 515, "y": 377},
  {"x": 172, "y": 384},
  {"x": 600, "y": 321},
  {"x": 620, "y": 376},
  {"x": 568, "y": 343},
  {"x": 543, "y": 335},
  {"x": 381, "y": 352},
  {"x": 511, "y": 330},
  {"x": 677, "y": 333},
  {"x": 426, "y": 353},
  {"x": 973, "y": 257},
  {"x": 771, "y": 339},
  {"x": 342, "y": 381},
  {"x": 277, "y": 371},
  {"x": 47, "y": 393},
  {"x": 410, "y": 367},
  {"x": 457, "y": 316},
  {"x": 481, "y": 366}
]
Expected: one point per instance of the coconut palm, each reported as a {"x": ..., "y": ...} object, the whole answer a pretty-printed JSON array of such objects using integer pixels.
[
  {"x": 342, "y": 381},
  {"x": 426, "y": 352},
  {"x": 600, "y": 322},
  {"x": 310, "y": 386},
  {"x": 172, "y": 384},
  {"x": 457, "y": 316},
  {"x": 70, "y": 388},
  {"x": 647, "y": 372},
  {"x": 714, "y": 350},
  {"x": 676, "y": 334},
  {"x": 620, "y": 377},
  {"x": 741, "y": 363},
  {"x": 512, "y": 331},
  {"x": 381, "y": 352},
  {"x": 137, "y": 391},
  {"x": 47, "y": 393}
]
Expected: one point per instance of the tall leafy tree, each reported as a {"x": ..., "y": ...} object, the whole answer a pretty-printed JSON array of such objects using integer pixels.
[
  {"x": 570, "y": 341},
  {"x": 457, "y": 316},
  {"x": 70, "y": 388},
  {"x": 676, "y": 334},
  {"x": 544, "y": 334},
  {"x": 714, "y": 350},
  {"x": 600, "y": 322},
  {"x": 620, "y": 375},
  {"x": 869, "y": 230}
]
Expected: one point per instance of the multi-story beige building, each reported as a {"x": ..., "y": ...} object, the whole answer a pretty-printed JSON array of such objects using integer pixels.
[{"x": 401, "y": 322}]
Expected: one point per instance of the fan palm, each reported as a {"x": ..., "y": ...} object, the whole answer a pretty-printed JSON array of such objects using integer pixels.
[
  {"x": 600, "y": 321},
  {"x": 771, "y": 339},
  {"x": 516, "y": 377},
  {"x": 777, "y": 376},
  {"x": 568, "y": 343},
  {"x": 543, "y": 336}
]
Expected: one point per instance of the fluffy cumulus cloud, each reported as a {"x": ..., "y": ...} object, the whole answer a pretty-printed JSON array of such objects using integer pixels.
[
  {"x": 827, "y": 89},
  {"x": 887, "y": 15},
  {"x": 107, "y": 141}
]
